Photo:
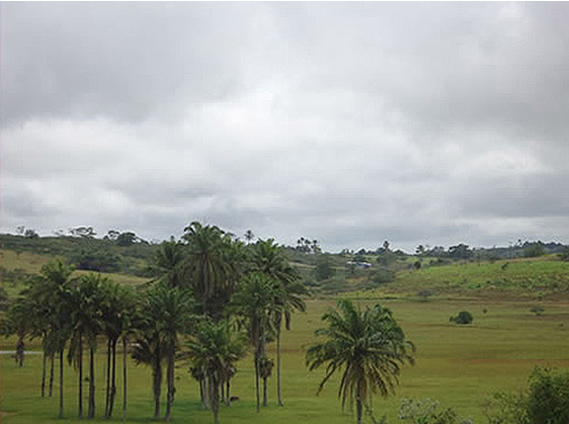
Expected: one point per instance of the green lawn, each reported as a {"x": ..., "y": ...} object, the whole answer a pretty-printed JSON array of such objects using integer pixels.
[{"x": 458, "y": 365}]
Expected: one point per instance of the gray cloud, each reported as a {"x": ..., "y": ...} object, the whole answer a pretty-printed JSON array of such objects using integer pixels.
[{"x": 349, "y": 123}]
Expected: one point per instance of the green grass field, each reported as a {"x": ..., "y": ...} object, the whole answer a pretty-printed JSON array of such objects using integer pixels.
[{"x": 458, "y": 365}]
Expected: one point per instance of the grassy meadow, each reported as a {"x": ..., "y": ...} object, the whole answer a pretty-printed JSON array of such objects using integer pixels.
[{"x": 457, "y": 365}]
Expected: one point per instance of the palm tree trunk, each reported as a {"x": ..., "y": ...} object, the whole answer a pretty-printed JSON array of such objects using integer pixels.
[
  {"x": 214, "y": 395},
  {"x": 51, "y": 369},
  {"x": 113, "y": 377},
  {"x": 124, "y": 357},
  {"x": 171, "y": 388},
  {"x": 359, "y": 402},
  {"x": 61, "y": 383},
  {"x": 91, "y": 412},
  {"x": 157, "y": 374},
  {"x": 43, "y": 373},
  {"x": 80, "y": 366},
  {"x": 257, "y": 382},
  {"x": 279, "y": 390},
  {"x": 108, "y": 389},
  {"x": 206, "y": 392},
  {"x": 228, "y": 392}
]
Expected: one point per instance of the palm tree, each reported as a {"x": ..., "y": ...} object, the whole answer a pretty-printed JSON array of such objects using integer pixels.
[
  {"x": 213, "y": 350},
  {"x": 206, "y": 265},
  {"x": 254, "y": 303},
  {"x": 368, "y": 345},
  {"x": 168, "y": 263},
  {"x": 50, "y": 292},
  {"x": 118, "y": 304},
  {"x": 249, "y": 236},
  {"x": 167, "y": 312},
  {"x": 269, "y": 259},
  {"x": 86, "y": 301},
  {"x": 265, "y": 370},
  {"x": 148, "y": 350}
]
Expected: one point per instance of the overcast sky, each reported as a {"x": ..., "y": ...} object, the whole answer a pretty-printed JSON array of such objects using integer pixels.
[{"x": 349, "y": 123}]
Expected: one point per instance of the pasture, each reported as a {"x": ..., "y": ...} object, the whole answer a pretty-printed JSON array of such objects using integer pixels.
[{"x": 457, "y": 365}]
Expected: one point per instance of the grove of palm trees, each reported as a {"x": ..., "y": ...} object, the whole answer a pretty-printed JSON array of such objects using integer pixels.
[{"x": 212, "y": 300}]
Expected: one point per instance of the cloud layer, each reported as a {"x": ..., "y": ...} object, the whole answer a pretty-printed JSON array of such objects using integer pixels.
[{"x": 420, "y": 123}]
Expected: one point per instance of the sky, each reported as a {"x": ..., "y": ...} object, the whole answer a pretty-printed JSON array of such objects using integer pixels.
[{"x": 348, "y": 123}]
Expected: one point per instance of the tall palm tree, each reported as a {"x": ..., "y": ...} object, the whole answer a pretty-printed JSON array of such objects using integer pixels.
[
  {"x": 254, "y": 303},
  {"x": 213, "y": 349},
  {"x": 148, "y": 350},
  {"x": 118, "y": 304},
  {"x": 168, "y": 263},
  {"x": 86, "y": 302},
  {"x": 370, "y": 348},
  {"x": 269, "y": 259},
  {"x": 167, "y": 312},
  {"x": 206, "y": 264},
  {"x": 50, "y": 292}
]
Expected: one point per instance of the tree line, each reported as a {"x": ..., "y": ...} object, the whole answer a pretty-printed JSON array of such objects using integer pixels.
[{"x": 212, "y": 295}]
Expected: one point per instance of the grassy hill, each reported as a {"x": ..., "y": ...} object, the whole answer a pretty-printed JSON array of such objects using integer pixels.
[{"x": 541, "y": 278}]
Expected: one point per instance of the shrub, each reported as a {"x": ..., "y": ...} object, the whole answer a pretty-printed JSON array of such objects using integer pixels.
[
  {"x": 428, "y": 412},
  {"x": 545, "y": 401},
  {"x": 382, "y": 276},
  {"x": 537, "y": 310},
  {"x": 463, "y": 317},
  {"x": 424, "y": 295}
]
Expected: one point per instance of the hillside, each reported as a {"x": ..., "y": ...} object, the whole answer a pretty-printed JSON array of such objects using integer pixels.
[{"x": 383, "y": 273}]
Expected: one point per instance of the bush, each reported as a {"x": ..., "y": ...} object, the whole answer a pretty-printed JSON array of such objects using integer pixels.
[
  {"x": 546, "y": 401},
  {"x": 537, "y": 310},
  {"x": 428, "y": 412},
  {"x": 463, "y": 317},
  {"x": 382, "y": 276}
]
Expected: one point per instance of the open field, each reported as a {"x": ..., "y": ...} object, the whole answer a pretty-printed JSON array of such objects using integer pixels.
[{"x": 458, "y": 365}]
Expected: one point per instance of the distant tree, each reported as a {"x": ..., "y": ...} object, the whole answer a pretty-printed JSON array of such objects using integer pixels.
[
  {"x": 126, "y": 239},
  {"x": 31, "y": 234},
  {"x": 534, "y": 250},
  {"x": 249, "y": 236},
  {"x": 368, "y": 345},
  {"x": 460, "y": 251},
  {"x": 112, "y": 235},
  {"x": 420, "y": 250},
  {"x": 324, "y": 267},
  {"x": 83, "y": 232}
]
